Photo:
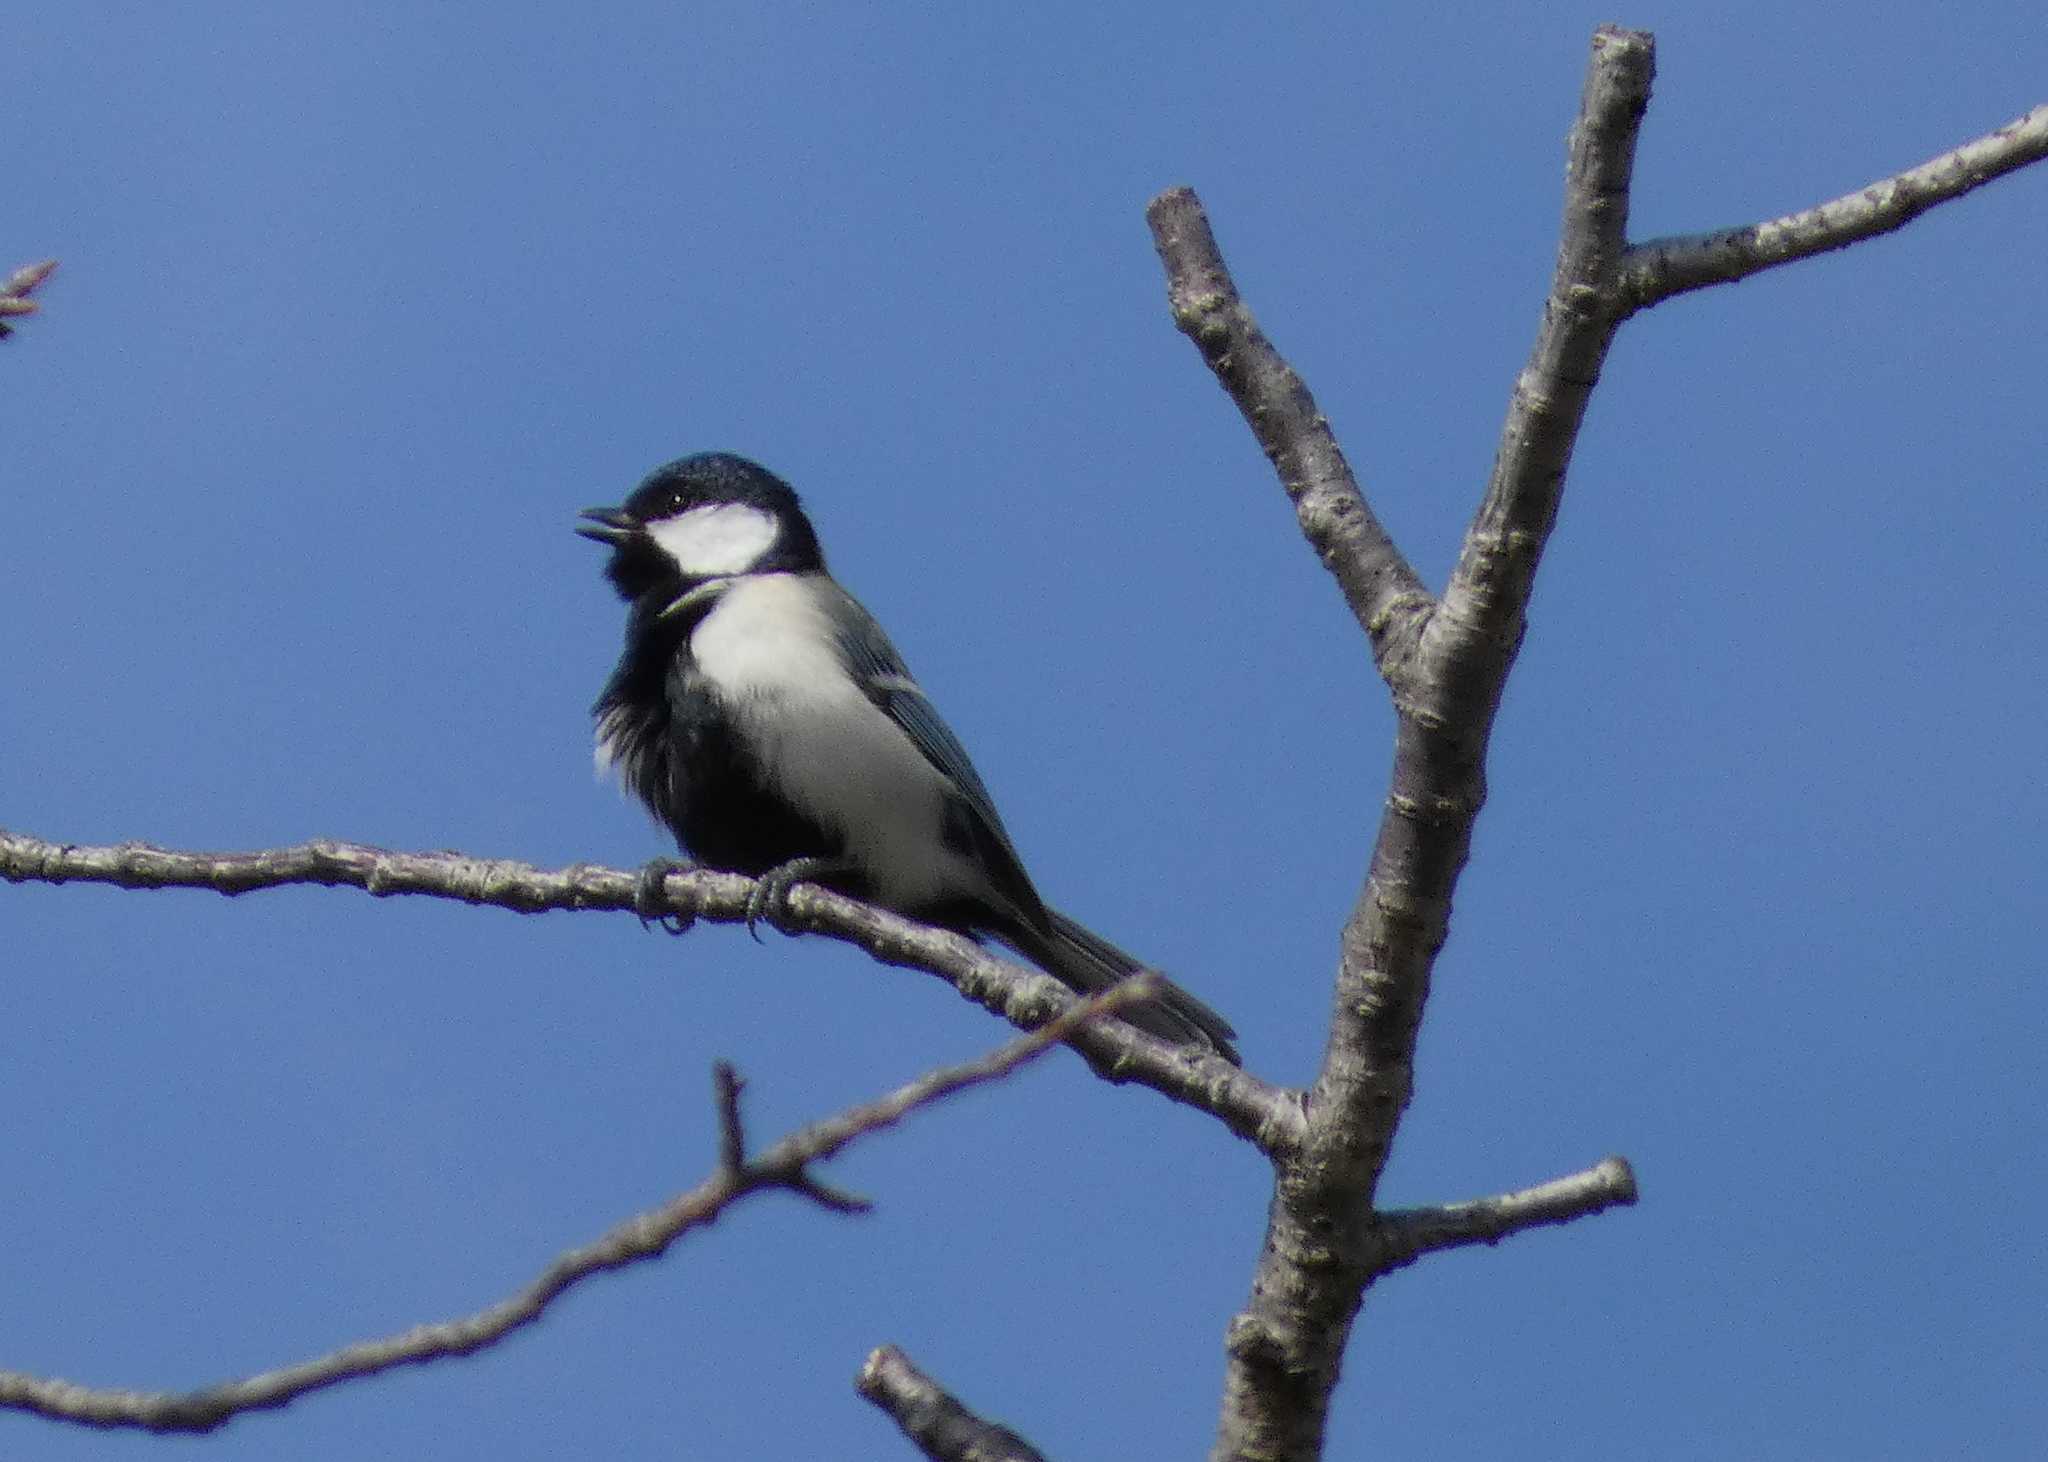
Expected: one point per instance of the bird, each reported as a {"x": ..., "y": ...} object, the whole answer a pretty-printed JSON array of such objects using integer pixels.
[{"x": 767, "y": 721}]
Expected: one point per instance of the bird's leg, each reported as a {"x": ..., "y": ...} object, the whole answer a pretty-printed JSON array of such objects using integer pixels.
[
  {"x": 651, "y": 903},
  {"x": 770, "y": 898}
]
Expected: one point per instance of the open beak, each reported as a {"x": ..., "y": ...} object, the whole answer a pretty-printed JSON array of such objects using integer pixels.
[{"x": 607, "y": 525}]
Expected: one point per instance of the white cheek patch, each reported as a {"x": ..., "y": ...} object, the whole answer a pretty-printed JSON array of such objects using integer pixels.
[{"x": 721, "y": 538}]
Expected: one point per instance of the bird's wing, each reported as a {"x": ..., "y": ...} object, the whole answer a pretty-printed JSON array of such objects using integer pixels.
[{"x": 879, "y": 668}]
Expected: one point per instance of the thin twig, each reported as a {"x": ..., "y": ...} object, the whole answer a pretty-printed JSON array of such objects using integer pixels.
[
  {"x": 1409, "y": 1233},
  {"x": 1655, "y": 270},
  {"x": 16, "y": 290},
  {"x": 732, "y": 1132},
  {"x": 939, "y": 1426},
  {"x": 1267, "y": 1115},
  {"x": 637, "y": 1240}
]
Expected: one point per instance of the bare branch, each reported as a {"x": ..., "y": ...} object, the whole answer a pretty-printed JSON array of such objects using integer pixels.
[
  {"x": 1480, "y": 624},
  {"x": 1268, "y": 1116},
  {"x": 1447, "y": 664},
  {"x": 1653, "y": 271},
  {"x": 732, "y": 1132},
  {"x": 1384, "y": 593},
  {"x": 1409, "y": 1233},
  {"x": 641, "y": 1238},
  {"x": 825, "y": 1139},
  {"x": 1322, "y": 1241},
  {"x": 16, "y": 289},
  {"x": 941, "y": 1427}
]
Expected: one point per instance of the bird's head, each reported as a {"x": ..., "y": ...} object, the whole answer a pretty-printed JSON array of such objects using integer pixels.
[{"x": 712, "y": 515}]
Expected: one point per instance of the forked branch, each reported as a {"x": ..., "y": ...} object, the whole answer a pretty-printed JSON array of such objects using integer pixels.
[
  {"x": 646, "y": 1236},
  {"x": 1446, "y": 662}
]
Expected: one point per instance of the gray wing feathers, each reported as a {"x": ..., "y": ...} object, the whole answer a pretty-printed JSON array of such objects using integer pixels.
[
  {"x": 1070, "y": 952},
  {"x": 875, "y": 663}
]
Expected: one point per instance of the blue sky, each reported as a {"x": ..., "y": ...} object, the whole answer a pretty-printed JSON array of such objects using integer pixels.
[{"x": 359, "y": 305}]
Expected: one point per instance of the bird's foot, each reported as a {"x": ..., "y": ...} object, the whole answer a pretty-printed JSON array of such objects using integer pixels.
[
  {"x": 650, "y": 902},
  {"x": 770, "y": 898}
]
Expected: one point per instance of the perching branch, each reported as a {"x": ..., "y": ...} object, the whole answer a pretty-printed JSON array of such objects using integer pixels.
[
  {"x": 16, "y": 289},
  {"x": 1446, "y": 663},
  {"x": 1268, "y": 1116},
  {"x": 939, "y": 1426},
  {"x": 646, "y": 1236}
]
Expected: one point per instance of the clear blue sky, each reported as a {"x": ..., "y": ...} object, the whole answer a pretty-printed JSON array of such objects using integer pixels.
[{"x": 358, "y": 306}]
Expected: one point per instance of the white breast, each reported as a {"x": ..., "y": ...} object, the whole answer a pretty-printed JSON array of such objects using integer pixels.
[{"x": 768, "y": 650}]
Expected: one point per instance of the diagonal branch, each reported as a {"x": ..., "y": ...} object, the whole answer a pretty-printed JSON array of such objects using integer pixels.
[
  {"x": 1654, "y": 271},
  {"x": 1385, "y": 594},
  {"x": 939, "y": 1426},
  {"x": 1268, "y": 1116},
  {"x": 1475, "y": 635},
  {"x": 646, "y": 1236}
]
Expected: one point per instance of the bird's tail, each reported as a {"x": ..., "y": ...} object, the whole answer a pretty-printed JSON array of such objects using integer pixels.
[{"x": 1085, "y": 961}]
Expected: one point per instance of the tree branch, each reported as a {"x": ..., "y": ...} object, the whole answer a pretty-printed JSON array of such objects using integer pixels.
[
  {"x": 1285, "y": 1349},
  {"x": 646, "y": 1236},
  {"x": 1654, "y": 271},
  {"x": 939, "y": 1426},
  {"x": 1447, "y": 663},
  {"x": 1266, "y": 1115},
  {"x": 1479, "y": 627},
  {"x": 1409, "y": 1233},
  {"x": 1385, "y": 594},
  {"x": 16, "y": 289}
]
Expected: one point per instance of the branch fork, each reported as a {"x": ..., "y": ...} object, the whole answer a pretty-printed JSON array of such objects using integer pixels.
[
  {"x": 785, "y": 1165},
  {"x": 1445, "y": 660}
]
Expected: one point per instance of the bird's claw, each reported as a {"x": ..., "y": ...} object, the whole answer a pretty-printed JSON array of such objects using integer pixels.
[
  {"x": 650, "y": 902},
  {"x": 770, "y": 898}
]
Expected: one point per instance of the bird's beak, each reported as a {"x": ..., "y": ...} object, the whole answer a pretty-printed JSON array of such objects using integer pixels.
[{"x": 607, "y": 525}]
